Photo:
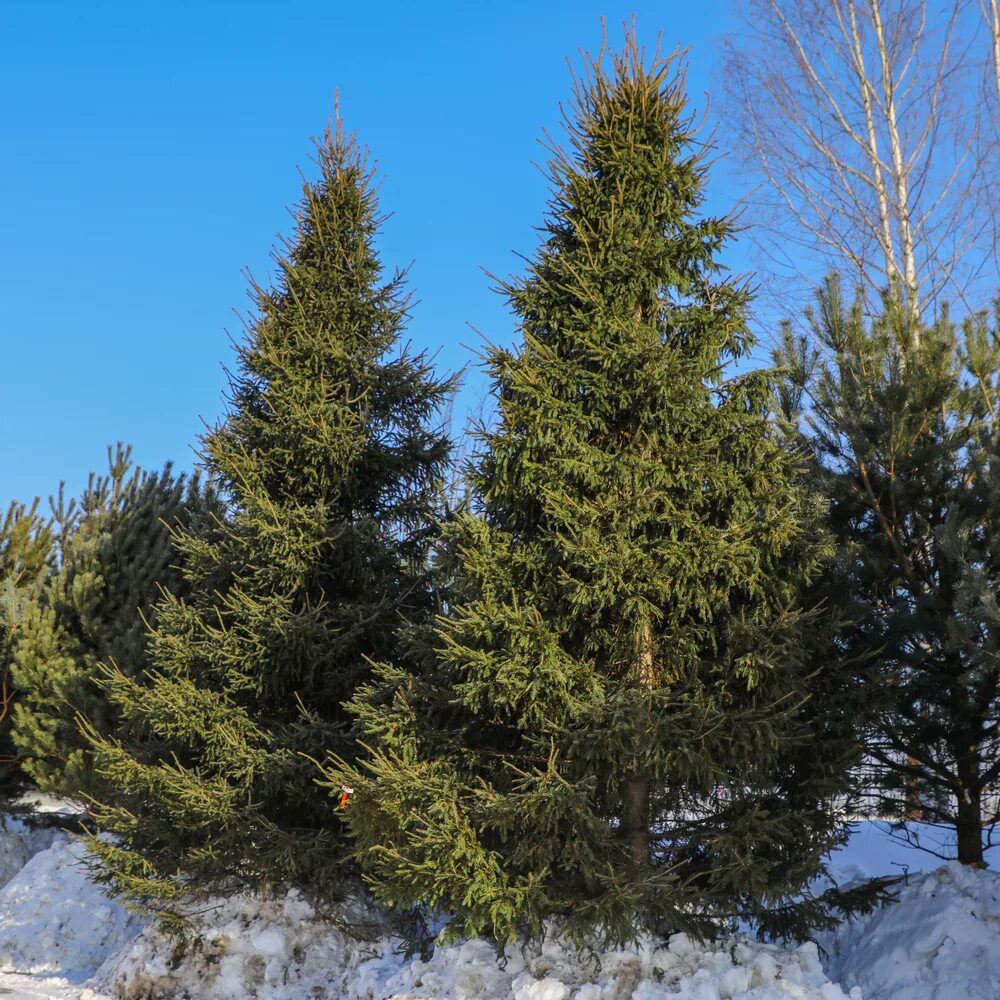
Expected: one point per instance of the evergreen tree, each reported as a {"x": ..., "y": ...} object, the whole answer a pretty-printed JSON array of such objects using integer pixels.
[
  {"x": 116, "y": 556},
  {"x": 329, "y": 462},
  {"x": 26, "y": 550},
  {"x": 595, "y": 729},
  {"x": 902, "y": 421}
]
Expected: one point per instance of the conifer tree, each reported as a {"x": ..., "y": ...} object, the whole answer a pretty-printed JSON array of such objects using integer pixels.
[
  {"x": 116, "y": 557},
  {"x": 26, "y": 552},
  {"x": 902, "y": 421},
  {"x": 594, "y": 730},
  {"x": 329, "y": 461}
]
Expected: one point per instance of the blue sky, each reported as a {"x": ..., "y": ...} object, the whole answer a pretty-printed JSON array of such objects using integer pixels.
[{"x": 151, "y": 153}]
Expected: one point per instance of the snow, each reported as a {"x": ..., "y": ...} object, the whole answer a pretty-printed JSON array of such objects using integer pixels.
[
  {"x": 653, "y": 970},
  {"x": 240, "y": 947},
  {"x": 940, "y": 941},
  {"x": 54, "y": 920},
  {"x": 877, "y": 848},
  {"x": 20, "y": 987},
  {"x": 281, "y": 950},
  {"x": 15, "y": 848}
]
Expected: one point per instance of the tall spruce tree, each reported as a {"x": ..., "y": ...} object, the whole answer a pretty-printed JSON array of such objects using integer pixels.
[
  {"x": 595, "y": 729},
  {"x": 116, "y": 557},
  {"x": 330, "y": 461},
  {"x": 902, "y": 421},
  {"x": 27, "y": 541}
]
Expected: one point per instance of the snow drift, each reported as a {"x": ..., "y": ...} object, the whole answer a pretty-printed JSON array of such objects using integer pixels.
[
  {"x": 940, "y": 940},
  {"x": 280, "y": 950},
  {"x": 54, "y": 920}
]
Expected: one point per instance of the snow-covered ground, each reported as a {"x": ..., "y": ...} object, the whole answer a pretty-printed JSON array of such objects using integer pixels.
[
  {"x": 280, "y": 951},
  {"x": 941, "y": 941},
  {"x": 879, "y": 849}
]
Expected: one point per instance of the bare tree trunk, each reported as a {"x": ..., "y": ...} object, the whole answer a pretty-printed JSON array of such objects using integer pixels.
[
  {"x": 900, "y": 170},
  {"x": 991, "y": 8},
  {"x": 884, "y": 228},
  {"x": 991, "y": 12},
  {"x": 969, "y": 813}
]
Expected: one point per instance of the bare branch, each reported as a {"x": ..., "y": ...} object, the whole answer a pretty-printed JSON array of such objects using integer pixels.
[{"x": 862, "y": 119}]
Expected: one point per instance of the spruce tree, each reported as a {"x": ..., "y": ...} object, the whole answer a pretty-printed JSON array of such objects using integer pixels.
[
  {"x": 595, "y": 729},
  {"x": 329, "y": 461},
  {"x": 27, "y": 544},
  {"x": 901, "y": 416},
  {"x": 116, "y": 557}
]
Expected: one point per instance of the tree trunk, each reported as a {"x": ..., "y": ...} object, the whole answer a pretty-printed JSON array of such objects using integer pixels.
[
  {"x": 969, "y": 814},
  {"x": 636, "y": 793},
  {"x": 969, "y": 830},
  {"x": 914, "y": 811},
  {"x": 635, "y": 817}
]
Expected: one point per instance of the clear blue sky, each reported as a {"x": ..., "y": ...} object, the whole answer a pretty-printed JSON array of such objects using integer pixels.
[{"x": 150, "y": 153}]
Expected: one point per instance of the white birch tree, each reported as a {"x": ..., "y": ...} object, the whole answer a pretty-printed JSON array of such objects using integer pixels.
[{"x": 861, "y": 120}]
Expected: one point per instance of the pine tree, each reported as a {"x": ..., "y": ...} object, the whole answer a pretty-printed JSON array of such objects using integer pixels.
[
  {"x": 594, "y": 730},
  {"x": 26, "y": 551},
  {"x": 116, "y": 556},
  {"x": 329, "y": 462},
  {"x": 902, "y": 422}
]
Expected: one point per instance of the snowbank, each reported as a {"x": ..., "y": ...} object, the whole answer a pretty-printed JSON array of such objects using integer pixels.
[
  {"x": 239, "y": 947},
  {"x": 280, "y": 950},
  {"x": 939, "y": 941},
  {"x": 53, "y": 919},
  {"x": 738, "y": 968},
  {"x": 18, "y": 987},
  {"x": 19, "y": 842}
]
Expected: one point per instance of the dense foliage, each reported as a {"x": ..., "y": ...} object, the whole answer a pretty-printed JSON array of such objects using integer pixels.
[
  {"x": 631, "y": 681},
  {"x": 602, "y": 727},
  {"x": 902, "y": 419},
  {"x": 116, "y": 557},
  {"x": 329, "y": 463},
  {"x": 26, "y": 551}
]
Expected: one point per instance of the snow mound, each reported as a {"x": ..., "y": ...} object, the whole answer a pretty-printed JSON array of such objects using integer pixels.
[
  {"x": 54, "y": 920},
  {"x": 281, "y": 950},
  {"x": 940, "y": 940},
  {"x": 19, "y": 842},
  {"x": 241, "y": 947},
  {"x": 652, "y": 970}
]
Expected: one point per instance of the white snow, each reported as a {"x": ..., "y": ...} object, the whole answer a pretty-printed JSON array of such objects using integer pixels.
[
  {"x": 20, "y": 987},
  {"x": 54, "y": 920},
  {"x": 280, "y": 950},
  {"x": 941, "y": 941},
  {"x": 14, "y": 848},
  {"x": 654, "y": 969},
  {"x": 240, "y": 947}
]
